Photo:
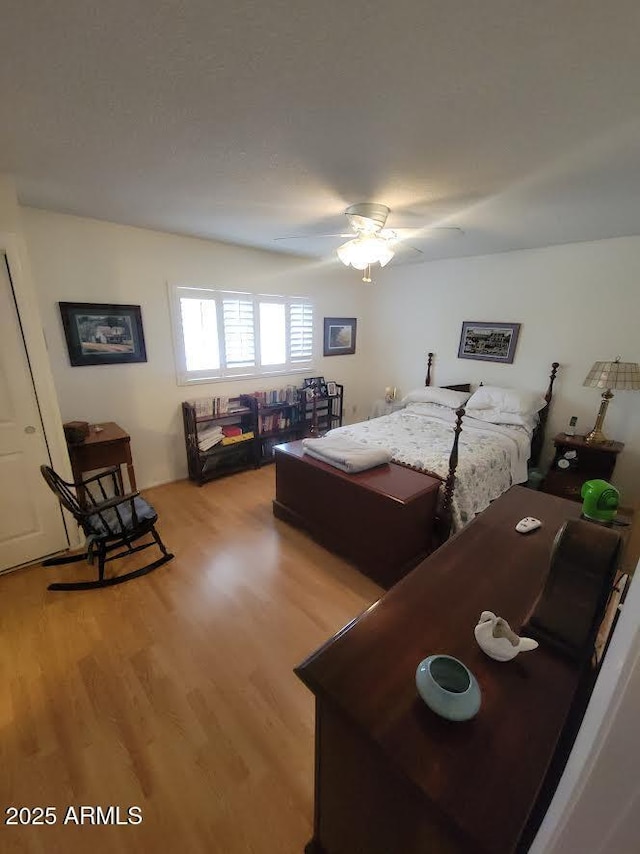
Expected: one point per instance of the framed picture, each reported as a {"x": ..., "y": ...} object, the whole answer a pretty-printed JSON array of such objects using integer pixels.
[
  {"x": 490, "y": 342},
  {"x": 309, "y": 393},
  {"x": 339, "y": 336},
  {"x": 332, "y": 389},
  {"x": 102, "y": 333}
]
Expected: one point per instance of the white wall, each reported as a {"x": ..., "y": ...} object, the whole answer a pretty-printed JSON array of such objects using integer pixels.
[
  {"x": 83, "y": 260},
  {"x": 596, "y": 806},
  {"x": 9, "y": 208},
  {"x": 577, "y": 303}
]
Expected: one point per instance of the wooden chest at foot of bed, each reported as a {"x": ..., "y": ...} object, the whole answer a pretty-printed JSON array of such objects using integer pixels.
[{"x": 381, "y": 519}]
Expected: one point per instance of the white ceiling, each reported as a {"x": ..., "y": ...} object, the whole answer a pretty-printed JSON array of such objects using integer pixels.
[{"x": 248, "y": 120}]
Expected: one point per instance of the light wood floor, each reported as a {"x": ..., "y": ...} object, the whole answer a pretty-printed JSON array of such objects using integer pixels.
[{"x": 174, "y": 692}]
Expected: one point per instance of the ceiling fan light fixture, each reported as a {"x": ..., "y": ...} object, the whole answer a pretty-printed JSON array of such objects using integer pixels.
[
  {"x": 367, "y": 217},
  {"x": 363, "y": 251}
]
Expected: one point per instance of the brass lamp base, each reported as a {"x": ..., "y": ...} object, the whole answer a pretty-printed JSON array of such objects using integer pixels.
[{"x": 596, "y": 436}]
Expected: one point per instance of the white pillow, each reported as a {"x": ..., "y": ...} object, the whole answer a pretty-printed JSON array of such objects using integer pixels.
[
  {"x": 512, "y": 419},
  {"x": 434, "y": 409},
  {"x": 506, "y": 400},
  {"x": 433, "y": 394}
]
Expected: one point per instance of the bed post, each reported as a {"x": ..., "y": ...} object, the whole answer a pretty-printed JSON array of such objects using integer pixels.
[
  {"x": 538, "y": 435},
  {"x": 446, "y": 519},
  {"x": 552, "y": 379},
  {"x": 427, "y": 380}
]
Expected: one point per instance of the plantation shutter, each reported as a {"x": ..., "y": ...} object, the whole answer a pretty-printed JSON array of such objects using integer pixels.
[
  {"x": 239, "y": 333},
  {"x": 200, "y": 334},
  {"x": 301, "y": 332}
]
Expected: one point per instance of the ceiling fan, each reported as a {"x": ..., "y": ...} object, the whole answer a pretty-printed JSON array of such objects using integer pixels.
[{"x": 370, "y": 242}]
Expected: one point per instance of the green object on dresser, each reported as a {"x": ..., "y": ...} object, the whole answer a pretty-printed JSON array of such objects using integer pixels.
[{"x": 600, "y": 500}]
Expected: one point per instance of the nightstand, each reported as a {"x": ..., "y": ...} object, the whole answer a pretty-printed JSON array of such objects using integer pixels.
[
  {"x": 385, "y": 407},
  {"x": 575, "y": 462}
]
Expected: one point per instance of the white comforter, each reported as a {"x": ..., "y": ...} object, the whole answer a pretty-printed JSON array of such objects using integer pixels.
[{"x": 492, "y": 457}]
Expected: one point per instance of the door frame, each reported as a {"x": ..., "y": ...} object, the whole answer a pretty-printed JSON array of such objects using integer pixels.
[{"x": 13, "y": 246}]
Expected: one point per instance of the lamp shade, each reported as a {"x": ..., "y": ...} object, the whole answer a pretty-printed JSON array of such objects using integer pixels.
[{"x": 616, "y": 374}]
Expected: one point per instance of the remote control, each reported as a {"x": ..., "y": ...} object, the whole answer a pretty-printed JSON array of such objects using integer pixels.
[{"x": 528, "y": 524}]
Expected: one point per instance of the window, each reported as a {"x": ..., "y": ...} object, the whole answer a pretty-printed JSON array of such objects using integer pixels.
[{"x": 226, "y": 334}]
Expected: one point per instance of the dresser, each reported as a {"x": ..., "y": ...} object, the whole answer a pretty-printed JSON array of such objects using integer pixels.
[{"x": 394, "y": 778}]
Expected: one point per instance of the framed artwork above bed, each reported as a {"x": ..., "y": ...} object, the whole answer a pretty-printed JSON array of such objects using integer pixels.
[{"x": 489, "y": 342}]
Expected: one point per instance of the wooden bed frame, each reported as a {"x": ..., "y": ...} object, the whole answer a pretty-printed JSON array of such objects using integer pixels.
[
  {"x": 317, "y": 497},
  {"x": 444, "y": 520}
]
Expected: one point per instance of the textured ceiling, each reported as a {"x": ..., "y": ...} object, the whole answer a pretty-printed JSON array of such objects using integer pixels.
[{"x": 247, "y": 121}]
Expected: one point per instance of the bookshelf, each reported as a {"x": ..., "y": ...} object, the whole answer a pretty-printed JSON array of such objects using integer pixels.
[
  {"x": 227, "y": 435},
  {"x": 219, "y": 436},
  {"x": 279, "y": 419}
]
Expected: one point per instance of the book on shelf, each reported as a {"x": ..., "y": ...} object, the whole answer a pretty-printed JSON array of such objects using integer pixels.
[
  {"x": 207, "y": 444},
  {"x": 287, "y": 396},
  {"x": 232, "y": 440},
  {"x": 208, "y": 432},
  {"x": 231, "y": 430},
  {"x": 212, "y": 407},
  {"x": 268, "y": 447},
  {"x": 209, "y": 437},
  {"x": 276, "y": 421}
]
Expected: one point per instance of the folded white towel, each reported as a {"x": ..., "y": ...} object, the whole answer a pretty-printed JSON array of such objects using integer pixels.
[{"x": 345, "y": 454}]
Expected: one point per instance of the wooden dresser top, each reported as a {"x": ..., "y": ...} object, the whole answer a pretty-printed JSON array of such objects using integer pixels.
[{"x": 483, "y": 775}]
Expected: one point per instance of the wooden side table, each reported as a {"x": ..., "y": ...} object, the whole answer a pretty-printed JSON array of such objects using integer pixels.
[
  {"x": 575, "y": 462},
  {"x": 110, "y": 446}
]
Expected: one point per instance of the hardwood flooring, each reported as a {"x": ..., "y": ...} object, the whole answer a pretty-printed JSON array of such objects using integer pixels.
[{"x": 173, "y": 692}]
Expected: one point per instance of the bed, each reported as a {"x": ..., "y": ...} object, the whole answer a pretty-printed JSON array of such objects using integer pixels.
[{"x": 470, "y": 461}]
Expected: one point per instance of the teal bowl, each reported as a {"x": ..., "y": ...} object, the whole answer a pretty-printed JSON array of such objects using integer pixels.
[{"x": 448, "y": 687}]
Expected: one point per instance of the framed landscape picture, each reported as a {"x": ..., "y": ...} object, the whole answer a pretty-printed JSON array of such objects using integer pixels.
[
  {"x": 489, "y": 342},
  {"x": 339, "y": 336},
  {"x": 103, "y": 333}
]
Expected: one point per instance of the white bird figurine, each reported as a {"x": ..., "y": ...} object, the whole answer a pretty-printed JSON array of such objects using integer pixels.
[{"x": 496, "y": 637}]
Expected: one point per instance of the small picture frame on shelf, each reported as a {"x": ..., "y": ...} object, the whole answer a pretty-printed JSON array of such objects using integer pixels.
[
  {"x": 322, "y": 390},
  {"x": 310, "y": 393},
  {"x": 313, "y": 382},
  {"x": 332, "y": 389}
]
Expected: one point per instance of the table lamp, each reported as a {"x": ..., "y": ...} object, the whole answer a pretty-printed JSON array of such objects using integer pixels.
[{"x": 609, "y": 375}]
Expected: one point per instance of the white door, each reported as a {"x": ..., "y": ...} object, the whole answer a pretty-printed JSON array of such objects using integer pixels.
[{"x": 31, "y": 523}]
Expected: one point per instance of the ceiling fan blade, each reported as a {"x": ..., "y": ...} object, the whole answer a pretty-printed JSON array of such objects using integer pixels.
[
  {"x": 314, "y": 236},
  {"x": 405, "y": 253},
  {"x": 406, "y": 248},
  {"x": 427, "y": 230}
]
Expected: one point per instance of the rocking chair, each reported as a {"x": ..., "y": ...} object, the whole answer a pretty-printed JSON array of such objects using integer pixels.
[{"x": 109, "y": 523}]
